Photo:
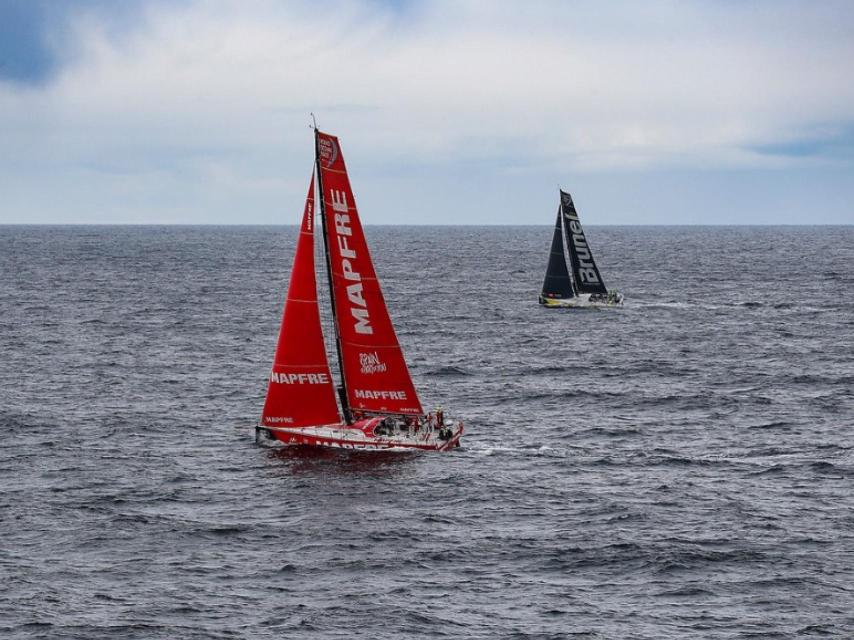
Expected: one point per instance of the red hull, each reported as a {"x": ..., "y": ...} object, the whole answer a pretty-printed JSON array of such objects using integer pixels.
[{"x": 361, "y": 437}]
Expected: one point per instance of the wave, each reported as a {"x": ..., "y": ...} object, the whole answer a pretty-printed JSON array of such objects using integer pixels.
[{"x": 449, "y": 371}]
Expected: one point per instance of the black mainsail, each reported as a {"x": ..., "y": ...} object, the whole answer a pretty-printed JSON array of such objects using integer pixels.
[
  {"x": 584, "y": 270},
  {"x": 557, "y": 283}
]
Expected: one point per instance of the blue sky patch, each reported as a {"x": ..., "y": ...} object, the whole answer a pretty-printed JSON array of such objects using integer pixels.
[{"x": 25, "y": 56}]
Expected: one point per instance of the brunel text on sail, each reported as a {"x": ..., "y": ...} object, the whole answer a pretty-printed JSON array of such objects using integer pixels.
[{"x": 586, "y": 270}]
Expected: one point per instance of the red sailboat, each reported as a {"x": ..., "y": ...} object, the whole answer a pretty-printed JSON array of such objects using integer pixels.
[{"x": 380, "y": 406}]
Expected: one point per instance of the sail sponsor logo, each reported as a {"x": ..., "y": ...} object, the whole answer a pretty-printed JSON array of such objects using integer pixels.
[
  {"x": 586, "y": 270},
  {"x": 566, "y": 201},
  {"x": 309, "y": 216},
  {"x": 328, "y": 151},
  {"x": 367, "y": 394},
  {"x": 371, "y": 363},
  {"x": 299, "y": 378},
  {"x": 355, "y": 291}
]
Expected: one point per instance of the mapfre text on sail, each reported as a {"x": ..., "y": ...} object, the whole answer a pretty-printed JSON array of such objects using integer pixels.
[{"x": 358, "y": 307}]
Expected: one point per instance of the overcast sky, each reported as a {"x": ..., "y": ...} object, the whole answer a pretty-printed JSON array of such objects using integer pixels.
[{"x": 704, "y": 112}]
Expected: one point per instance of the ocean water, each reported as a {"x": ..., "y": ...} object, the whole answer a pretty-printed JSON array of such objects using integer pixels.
[{"x": 679, "y": 468}]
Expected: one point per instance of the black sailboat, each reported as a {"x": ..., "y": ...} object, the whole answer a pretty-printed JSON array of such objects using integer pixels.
[{"x": 585, "y": 288}]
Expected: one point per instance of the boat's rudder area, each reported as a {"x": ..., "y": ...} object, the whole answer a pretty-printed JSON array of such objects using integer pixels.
[{"x": 611, "y": 299}]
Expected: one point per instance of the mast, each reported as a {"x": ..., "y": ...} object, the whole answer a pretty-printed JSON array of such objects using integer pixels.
[
  {"x": 342, "y": 390},
  {"x": 564, "y": 248}
]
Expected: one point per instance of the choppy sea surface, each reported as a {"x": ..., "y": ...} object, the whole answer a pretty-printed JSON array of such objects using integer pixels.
[{"x": 679, "y": 468}]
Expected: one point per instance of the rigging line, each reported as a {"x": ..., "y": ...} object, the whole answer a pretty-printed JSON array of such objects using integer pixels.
[
  {"x": 363, "y": 278},
  {"x": 374, "y": 346},
  {"x": 301, "y": 366}
]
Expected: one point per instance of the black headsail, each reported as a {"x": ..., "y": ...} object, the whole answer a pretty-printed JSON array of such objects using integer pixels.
[
  {"x": 587, "y": 276},
  {"x": 557, "y": 283}
]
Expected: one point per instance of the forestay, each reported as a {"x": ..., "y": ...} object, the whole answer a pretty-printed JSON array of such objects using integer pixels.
[{"x": 300, "y": 391}]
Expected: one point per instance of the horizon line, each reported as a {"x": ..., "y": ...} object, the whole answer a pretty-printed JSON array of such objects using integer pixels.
[{"x": 264, "y": 224}]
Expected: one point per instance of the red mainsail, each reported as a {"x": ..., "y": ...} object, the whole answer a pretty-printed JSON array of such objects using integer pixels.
[
  {"x": 300, "y": 392},
  {"x": 375, "y": 373}
]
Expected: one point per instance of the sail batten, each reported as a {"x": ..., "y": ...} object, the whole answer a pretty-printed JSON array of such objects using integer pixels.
[
  {"x": 375, "y": 375},
  {"x": 586, "y": 274},
  {"x": 300, "y": 390}
]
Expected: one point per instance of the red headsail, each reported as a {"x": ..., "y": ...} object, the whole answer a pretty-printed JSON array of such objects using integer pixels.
[
  {"x": 375, "y": 372},
  {"x": 300, "y": 392}
]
